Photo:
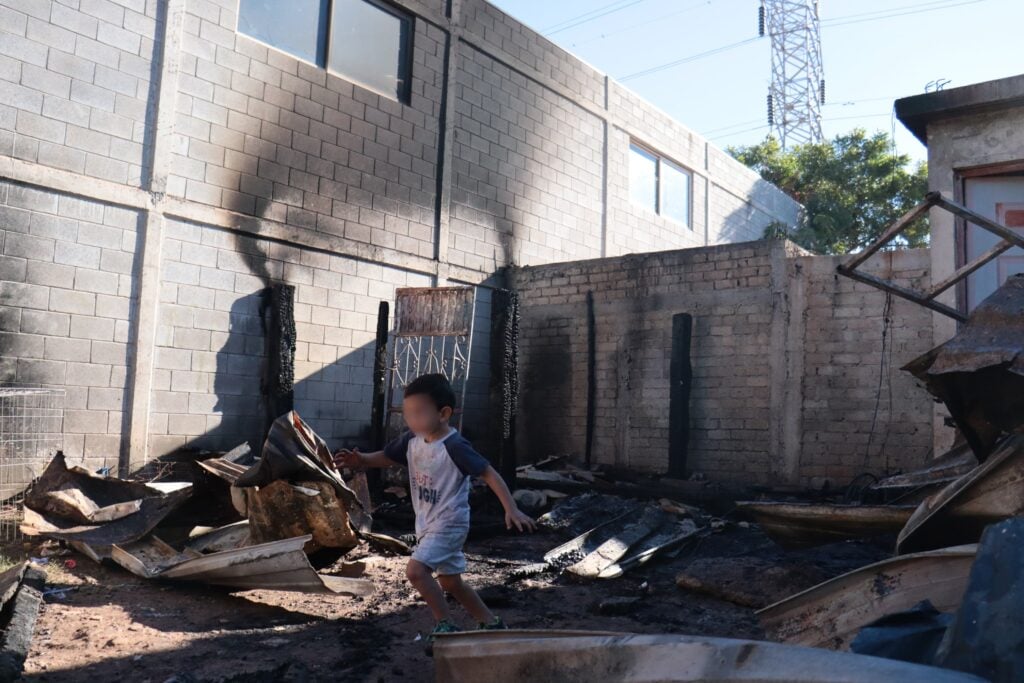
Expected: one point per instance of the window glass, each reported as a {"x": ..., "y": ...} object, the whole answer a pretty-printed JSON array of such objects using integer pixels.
[
  {"x": 643, "y": 178},
  {"x": 370, "y": 45},
  {"x": 675, "y": 193},
  {"x": 298, "y": 27}
]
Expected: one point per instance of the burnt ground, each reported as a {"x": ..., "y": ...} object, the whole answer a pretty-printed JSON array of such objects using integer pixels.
[{"x": 110, "y": 625}]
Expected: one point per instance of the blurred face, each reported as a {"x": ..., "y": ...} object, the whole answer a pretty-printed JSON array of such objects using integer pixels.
[{"x": 422, "y": 415}]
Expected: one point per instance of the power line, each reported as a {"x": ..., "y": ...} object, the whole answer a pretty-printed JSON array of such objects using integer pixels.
[
  {"x": 580, "y": 16},
  {"x": 590, "y": 16},
  {"x": 721, "y": 129},
  {"x": 893, "y": 12},
  {"x": 626, "y": 29},
  {"x": 725, "y": 132},
  {"x": 684, "y": 60},
  {"x": 740, "y": 132},
  {"x": 828, "y": 23}
]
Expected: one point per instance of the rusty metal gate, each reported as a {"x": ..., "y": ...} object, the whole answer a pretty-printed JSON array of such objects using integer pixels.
[{"x": 433, "y": 334}]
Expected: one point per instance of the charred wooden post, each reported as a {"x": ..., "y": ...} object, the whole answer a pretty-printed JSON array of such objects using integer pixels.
[
  {"x": 505, "y": 377},
  {"x": 681, "y": 379},
  {"x": 591, "y": 378},
  {"x": 278, "y": 316},
  {"x": 378, "y": 415}
]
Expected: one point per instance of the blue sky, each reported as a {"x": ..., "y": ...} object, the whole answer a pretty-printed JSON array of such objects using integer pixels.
[{"x": 874, "y": 51}]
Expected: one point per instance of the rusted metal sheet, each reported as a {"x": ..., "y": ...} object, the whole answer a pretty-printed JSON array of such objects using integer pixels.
[
  {"x": 280, "y": 510},
  {"x": 434, "y": 311},
  {"x": 831, "y": 614},
  {"x": 959, "y": 513},
  {"x": 979, "y": 373},
  {"x": 582, "y": 657},
  {"x": 799, "y": 524},
  {"x": 294, "y": 451},
  {"x": 280, "y": 565}
]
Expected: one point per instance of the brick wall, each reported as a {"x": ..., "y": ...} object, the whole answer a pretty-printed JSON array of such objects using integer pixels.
[{"x": 768, "y": 323}]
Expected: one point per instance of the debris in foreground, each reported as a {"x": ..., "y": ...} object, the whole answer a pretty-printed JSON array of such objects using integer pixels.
[
  {"x": 959, "y": 513},
  {"x": 104, "y": 517},
  {"x": 830, "y": 614},
  {"x": 749, "y": 582},
  {"x": 613, "y": 547},
  {"x": 584, "y": 657},
  {"x": 913, "y": 635},
  {"x": 278, "y": 565},
  {"x": 795, "y": 525},
  {"x": 62, "y": 501},
  {"x": 21, "y": 594},
  {"x": 987, "y": 634},
  {"x": 946, "y": 468}
]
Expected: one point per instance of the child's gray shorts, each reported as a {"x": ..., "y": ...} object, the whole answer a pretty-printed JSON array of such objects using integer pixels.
[{"x": 442, "y": 551}]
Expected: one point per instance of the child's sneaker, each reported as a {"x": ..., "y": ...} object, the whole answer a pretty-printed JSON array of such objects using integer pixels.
[
  {"x": 496, "y": 625},
  {"x": 443, "y": 626}
]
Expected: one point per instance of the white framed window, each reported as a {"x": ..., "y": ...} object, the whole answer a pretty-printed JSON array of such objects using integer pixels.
[
  {"x": 659, "y": 185},
  {"x": 368, "y": 42}
]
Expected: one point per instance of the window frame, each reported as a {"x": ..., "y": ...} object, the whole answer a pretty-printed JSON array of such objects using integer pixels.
[
  {"x": 402, "y": 95},
  {"x": 659, "y": 184},
  {"x": 408, "y": 20},
  {"x": 689, "y": 192}
]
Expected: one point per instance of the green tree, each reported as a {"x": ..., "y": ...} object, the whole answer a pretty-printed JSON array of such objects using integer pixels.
[{"x": 851, "y": 187}]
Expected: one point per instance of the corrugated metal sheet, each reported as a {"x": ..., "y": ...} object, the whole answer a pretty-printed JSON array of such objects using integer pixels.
[{"x": 434, "y": 311}]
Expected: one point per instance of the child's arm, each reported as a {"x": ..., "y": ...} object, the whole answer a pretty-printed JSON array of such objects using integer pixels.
[
  {"x": 356, "y": 460},
  {"x": 513, "y": 515}
]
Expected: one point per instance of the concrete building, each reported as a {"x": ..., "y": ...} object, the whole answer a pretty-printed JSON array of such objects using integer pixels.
[
  {"x": 162, "y": 162},
  {"x": 975, "y": 140}
]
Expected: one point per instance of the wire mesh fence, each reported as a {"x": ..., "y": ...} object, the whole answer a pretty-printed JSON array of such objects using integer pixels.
[{"x": 31, "y": 432}]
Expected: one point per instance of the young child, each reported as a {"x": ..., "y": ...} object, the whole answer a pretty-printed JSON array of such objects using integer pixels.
[{"x": 441, "y": 462}]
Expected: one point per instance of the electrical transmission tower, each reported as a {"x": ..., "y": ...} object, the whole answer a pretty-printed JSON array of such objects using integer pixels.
[{"x": 798, "y": 86}]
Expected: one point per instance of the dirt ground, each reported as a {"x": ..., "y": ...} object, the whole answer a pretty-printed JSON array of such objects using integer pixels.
[{"x": 102, "y": 623}]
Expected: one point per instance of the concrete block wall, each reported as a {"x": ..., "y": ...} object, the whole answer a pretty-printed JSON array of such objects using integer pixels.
[
  {"x": 210, "y": 340},
  {"x": 861, "y": 413},
  {"x": 240, "y": 166},
  {"x": 75, "y": 85},
  {"x": 786, "y": 359},
  {"x": 527, "y": 166},
  {"x": 66, "y": 296},
  {"x": 263, "y": 133},
  {"x": 726, "y": 289}
]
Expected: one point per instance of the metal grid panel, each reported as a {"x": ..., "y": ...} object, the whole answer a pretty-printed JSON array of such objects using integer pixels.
[{"x": 31, "y": 432}]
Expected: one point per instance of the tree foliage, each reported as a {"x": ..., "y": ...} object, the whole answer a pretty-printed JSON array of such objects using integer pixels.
[{"x": 852, "y": 187}]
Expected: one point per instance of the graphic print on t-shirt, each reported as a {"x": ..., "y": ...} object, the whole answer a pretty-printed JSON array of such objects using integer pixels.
[{"x": 425, "y": 492}]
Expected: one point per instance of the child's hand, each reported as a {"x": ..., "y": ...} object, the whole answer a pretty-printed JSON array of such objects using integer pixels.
[
  {"x": 348, "y": 458},
  {"x": 520, "y": 520}
]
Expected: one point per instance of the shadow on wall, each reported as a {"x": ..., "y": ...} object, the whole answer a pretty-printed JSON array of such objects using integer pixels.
[{"x": 333, "y": 387}]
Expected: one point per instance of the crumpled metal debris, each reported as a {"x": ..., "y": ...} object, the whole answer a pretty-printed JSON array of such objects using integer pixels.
[{"x": 979, "y": 373}]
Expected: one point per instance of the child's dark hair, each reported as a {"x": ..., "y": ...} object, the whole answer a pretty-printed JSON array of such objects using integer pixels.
[{"x": 436, "y": 386}]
